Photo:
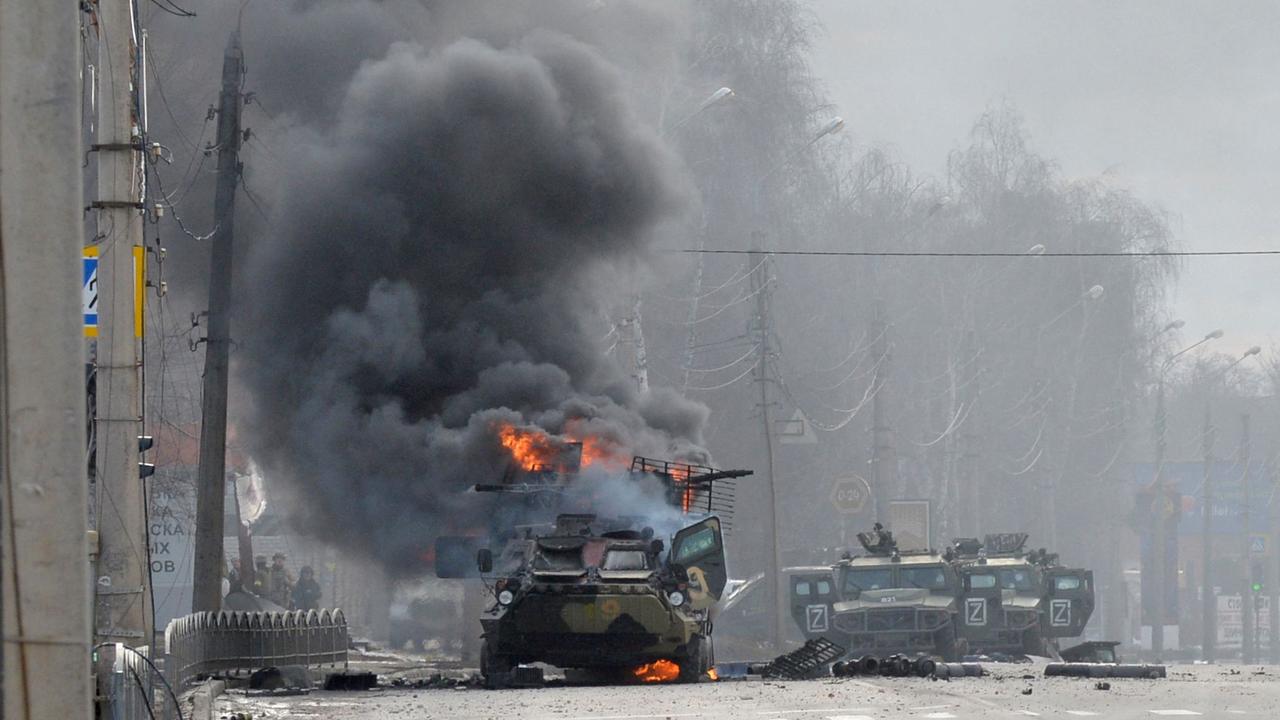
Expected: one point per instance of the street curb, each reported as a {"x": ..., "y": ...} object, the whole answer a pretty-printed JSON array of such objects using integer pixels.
[{"x": 198, "y": 703}]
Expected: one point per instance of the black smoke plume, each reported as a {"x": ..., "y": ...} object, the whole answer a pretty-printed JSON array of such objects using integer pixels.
[{"x": 437, "y": 264}]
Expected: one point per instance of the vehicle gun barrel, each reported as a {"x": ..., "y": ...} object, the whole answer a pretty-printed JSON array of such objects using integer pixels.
[{"x": 720, "y": 475}]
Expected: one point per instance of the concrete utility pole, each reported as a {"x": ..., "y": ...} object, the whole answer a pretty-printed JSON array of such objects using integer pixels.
[
  {"x": 1158, "y": 550},
  {"x": 1208, "y": 598},
  {"x": 1248, "y": 641},
  {"x": 123, "y": 610},
  {"x": 631, "y": 346},
  {"x": 1161, "y": 509},
  {"x": 762, "y": 287},
  {"x": 762, "y": 281},
  {"x": 1208, "y": 602},
  {"x": 45, "y": 601},
  {"x": 211, "y": 483},
  {"x": 1273, "y": 574},
  {"x": 881, "y": 438},
  {"x": 970, "y": 495}
]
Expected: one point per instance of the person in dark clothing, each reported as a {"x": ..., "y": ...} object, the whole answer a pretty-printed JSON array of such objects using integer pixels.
[{"x": 306, "y": 592}]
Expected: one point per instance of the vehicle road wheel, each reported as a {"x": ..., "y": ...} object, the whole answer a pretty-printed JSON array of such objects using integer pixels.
[
  {"x": 693, "y": 667},
  {"x": 494, "y": 668},
  {"x": 1033, "y": 643},
  {"x": 950, "y": 648}
]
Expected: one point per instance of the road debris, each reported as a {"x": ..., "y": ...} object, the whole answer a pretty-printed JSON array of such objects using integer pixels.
[
  {"x": 1104, "y": 670},
  {"x": 803, "y": 662}
]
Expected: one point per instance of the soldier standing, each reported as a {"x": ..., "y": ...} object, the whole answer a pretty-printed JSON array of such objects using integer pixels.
[{"x": 279, "y": 581}]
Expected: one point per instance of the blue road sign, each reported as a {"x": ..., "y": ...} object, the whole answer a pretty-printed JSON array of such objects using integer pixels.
[{"x": 89, "y": 296}]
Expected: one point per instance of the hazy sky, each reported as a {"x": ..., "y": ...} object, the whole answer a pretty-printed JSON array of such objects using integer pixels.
[{"x": 1177, "y": 101}]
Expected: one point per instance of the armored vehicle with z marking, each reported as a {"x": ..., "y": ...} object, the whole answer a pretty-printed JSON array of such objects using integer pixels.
[
  {"x": 1015, "y": 601},
  {"x": 988, "y": 597},
  {"x": 884, "y": 602}
]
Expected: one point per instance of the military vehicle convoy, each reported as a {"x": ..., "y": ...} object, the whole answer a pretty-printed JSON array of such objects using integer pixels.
[
  {"x": 990, "y": 597},
  {"x": 605, "y": 594}
]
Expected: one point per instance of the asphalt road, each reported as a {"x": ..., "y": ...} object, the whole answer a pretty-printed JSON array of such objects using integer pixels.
[{"x": 1190, "y": 691}]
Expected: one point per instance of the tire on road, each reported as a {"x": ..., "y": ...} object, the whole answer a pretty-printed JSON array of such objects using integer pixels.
[
  {"x": 494, "y": 667},
  {"x": 698, "y": 662},
  {"x": 1033, "y": 643}
]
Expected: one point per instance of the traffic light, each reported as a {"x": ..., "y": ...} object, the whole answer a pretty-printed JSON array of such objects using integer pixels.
[
  {"x": 1257, "y": 577},
  {"x": 145, "y": 469}
]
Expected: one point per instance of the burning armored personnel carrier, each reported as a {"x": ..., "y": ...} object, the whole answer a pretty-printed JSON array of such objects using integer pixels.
[
  {"x": 975, "y": 596},
  {"x": 607, "y": 595},
  {"x": 626, "y": 597}
]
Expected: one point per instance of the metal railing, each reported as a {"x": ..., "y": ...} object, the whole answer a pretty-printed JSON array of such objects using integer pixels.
[
  {"x": 204, "y": 643},
  {"x": 136, "y": 688}
]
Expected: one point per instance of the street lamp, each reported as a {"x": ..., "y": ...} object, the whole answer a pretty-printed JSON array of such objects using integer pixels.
[
  {"x": 759, "y": 264},
  {"x": 831, "y": 127},
  {"x": 631, "y": 334},
  {"x": 1208, "y": 602},
  {"x": 1092, "y": 294},
  {"x": 1049, "y": 488},
  {"x": 969, "y": 489},
  {"x": 712, "y": 100},
  {"x": 1158, "y": 509}
]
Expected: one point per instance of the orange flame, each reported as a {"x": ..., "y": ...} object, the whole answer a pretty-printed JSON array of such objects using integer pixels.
[
  {"x": 713, "y": 674},
  {"x": 681, "y": 476},
  {"x": 657, "y": 671},
  {"x": 532, "y": 449},
  {"x": 536, "y": 449}
]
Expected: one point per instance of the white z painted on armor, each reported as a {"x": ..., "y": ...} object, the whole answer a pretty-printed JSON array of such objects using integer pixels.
[
  {"x": 975, "y": 611},
  {"x": 1060, "y": 613},
  {"x": 816, "y": 618}
]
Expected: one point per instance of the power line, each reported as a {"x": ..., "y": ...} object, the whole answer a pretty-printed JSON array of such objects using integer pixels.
[
  {"x": 173, "y": 9},
  {"x": 984, "y": 254}
]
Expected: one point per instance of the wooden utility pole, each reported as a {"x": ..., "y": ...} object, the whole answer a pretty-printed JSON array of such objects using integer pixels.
[
  {"x": 45, "y": 601},
  {"x": 122, "y": 579},
  {"x": 211, "y": 482},
  {"x": 762, "y": 285}
]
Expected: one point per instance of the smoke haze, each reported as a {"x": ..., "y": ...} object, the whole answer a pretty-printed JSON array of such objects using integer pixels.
[{"x": 434, "y": 269}]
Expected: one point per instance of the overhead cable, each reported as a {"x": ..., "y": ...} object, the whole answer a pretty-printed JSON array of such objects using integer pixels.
[{"x": 983, "y": 254}]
